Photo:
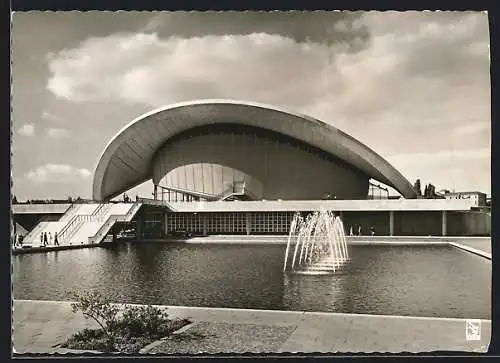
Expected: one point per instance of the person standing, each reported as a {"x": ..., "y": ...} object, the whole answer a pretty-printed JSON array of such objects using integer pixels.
[
  {"x": 56, "y": 242},
  {"x": 359, "y": 230},
  {"x": 50, "y": 238},
  {"x": 45, "y": 239},
  {"x": 41, "y": 238}
]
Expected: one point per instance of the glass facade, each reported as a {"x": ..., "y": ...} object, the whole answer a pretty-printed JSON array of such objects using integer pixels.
[
  {"x": 270, "y": 222},
  {"x": 153, "y": 225},
  {"x": 189, "y": 222},
  {"x": 229, "y": 223},
  {"x": 158, "y": 224}
]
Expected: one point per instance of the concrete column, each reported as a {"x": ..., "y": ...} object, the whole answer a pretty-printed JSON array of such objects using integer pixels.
[
  {"x": 444, "y": 223},
  {"x": 165, "y": 221},
  {"x": 138, "y": 227},
  {"x": 249, "y": 223},
  {"x": 113, "y": 232},
  {"x": 391, "y": 223},
  {"x": 204, "y": 217}
]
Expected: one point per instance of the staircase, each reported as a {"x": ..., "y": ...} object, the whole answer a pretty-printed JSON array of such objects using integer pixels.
[
  {"x": 35, "y": 233},
  {"x": 84, "y": 223},
  {"x": 83, "y": 228},
  {"x": 110, "y": 221}
]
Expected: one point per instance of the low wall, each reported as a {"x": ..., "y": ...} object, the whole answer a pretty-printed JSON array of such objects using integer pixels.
[
  {"x": 469, "y": 223},
  {"x": 40, "y": 208},
  {"x": 21, "y": 251}
]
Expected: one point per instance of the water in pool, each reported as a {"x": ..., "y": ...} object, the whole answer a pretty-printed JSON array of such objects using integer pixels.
[{"x": 437, "y": 281}]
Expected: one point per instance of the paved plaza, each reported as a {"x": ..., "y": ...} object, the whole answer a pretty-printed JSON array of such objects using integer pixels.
[{"x": 39, "y": 326}]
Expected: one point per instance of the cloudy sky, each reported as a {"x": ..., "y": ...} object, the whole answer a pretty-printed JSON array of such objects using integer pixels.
[{"x": 413, "y": 86}]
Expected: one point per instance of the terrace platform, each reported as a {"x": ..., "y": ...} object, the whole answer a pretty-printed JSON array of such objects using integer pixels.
[{"x": 39, "y": 326}]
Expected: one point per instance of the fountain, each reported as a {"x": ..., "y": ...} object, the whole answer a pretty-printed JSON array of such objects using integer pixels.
[{"x": 319, "y": 244}]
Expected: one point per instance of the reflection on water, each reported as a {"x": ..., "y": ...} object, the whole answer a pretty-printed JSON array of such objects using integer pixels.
[{"x": 397, "y": 280}]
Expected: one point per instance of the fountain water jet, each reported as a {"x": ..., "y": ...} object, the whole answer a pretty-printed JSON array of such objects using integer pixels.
[{"x": 320, "y": 244}]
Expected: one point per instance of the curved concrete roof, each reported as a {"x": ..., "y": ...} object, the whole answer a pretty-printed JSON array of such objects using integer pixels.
[{"x": 127, "y": 159}]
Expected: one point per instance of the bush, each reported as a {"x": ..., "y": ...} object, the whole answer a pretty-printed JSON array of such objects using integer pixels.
[
  {"x": 95, "y": 306},
  {"x": 90, "y": 339},
  {"x": 137, "y": 326},
  {"x": 143, "y": 320}
]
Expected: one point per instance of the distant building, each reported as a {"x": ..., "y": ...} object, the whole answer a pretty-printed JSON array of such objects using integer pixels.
[{"x": 478, "y": 197}]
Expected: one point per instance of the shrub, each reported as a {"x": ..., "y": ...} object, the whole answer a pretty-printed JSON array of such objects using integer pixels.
[
  {"x": 137, "y": 326},
  {"x": 95, "y": 306},
  {"x": 90, "y": 339},
  {"x": 143, "y": 321}
]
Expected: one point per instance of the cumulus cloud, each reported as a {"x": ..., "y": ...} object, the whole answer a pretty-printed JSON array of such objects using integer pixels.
[
  {"x": 146, "y": 69},
  {"x": 57, "y": 133},
  {"x": 325, "y": 27},
  {"x": 418, "y": 82},
  {"x": 27, "y": 130},
  {"x": 423, "y": 67},
  {"x": 57, "y": 173}
]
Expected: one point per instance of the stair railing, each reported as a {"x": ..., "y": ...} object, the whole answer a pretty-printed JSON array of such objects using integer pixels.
[
  {"x": 68, "y": 211},
  {"x": 98, "y": 209},
  {"x": 111, "y": 220},
  {"x": 68, "y": 228},
  {"x": 35, "y": 232}
]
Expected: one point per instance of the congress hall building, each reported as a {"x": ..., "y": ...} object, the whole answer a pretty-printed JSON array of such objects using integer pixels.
[
  {"x": 244, "y": 168},
  {"x": 235, "y": 167}
]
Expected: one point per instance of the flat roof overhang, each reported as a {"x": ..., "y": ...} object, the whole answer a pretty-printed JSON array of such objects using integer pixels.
[{"x": 417, "y": 205}]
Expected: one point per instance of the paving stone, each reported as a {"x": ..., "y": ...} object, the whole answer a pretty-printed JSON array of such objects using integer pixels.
[
  {"x": 40, "y": 325},
  {"x": 212, "y": 338}
]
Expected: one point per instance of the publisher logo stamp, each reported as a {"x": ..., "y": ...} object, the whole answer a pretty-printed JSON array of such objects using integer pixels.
[{"x": 473, "y": 329}]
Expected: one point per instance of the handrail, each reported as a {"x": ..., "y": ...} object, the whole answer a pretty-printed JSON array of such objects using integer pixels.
[
  {"x": 64, "y": 230},
  {"x": 32, "y": 235},
  {"x": 104, "y": 228},
  {"x": 65, "y": 233},
  {"x": 189, "y": 192},
  {"x": 112, "y": 219},
  {"x": 81, "y": 220},
  {"x": 97, "y": 210},
  {"x": 225, "y": 193},
  {"x": 70, "y": 227},
  {"x": 105, "y": 209},
  {"x": 152, "y": 201},
  {"x": 70, "y": 210}
]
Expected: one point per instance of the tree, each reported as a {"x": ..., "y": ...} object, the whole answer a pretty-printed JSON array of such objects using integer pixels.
[
  {"x": 418, "y": 188},
  {"x": 430, "y": 191},
  {"x": 95, "y": 306}
]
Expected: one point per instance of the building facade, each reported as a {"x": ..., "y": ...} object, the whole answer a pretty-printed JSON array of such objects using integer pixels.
[
  {"x": 477, "y": 198},
  {"x": 201, "y": 154}
]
